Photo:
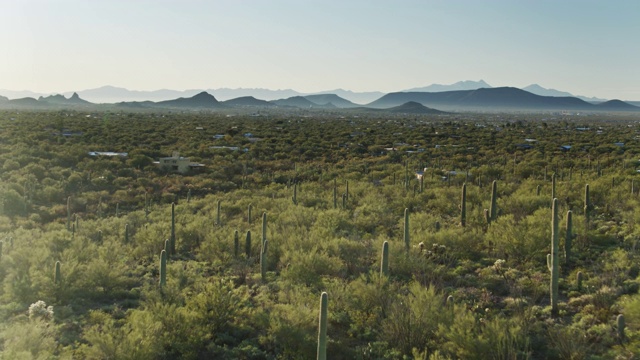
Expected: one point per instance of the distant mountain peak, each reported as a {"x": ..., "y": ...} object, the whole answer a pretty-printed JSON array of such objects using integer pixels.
[
  {"x": 542, "y": 91},
  {"x": 204, "y": 96},
  {"x": 200, "y": 100},
  {"x": 59, "y": 99},
  {"x": 460, "y": 85},
  {"x": 539, "y": 90},
  {"x": 414, "y": 107}
]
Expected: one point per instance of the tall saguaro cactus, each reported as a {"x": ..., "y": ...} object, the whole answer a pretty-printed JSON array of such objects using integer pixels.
[
  {"x": 173, "y": 228},
  {"x": 587, "y": 206},
  {"x": 263, "y": 261},
  {"x": 69, "y": 213},
  {"x": 407, "y": 241},
  {"x": 406, "y": 175},
  {"x": 146, "y": 205},
  {"x": 264, "y": 227},
  {"x": 295, "y": 194},
  {"x": 463, "y": 206},
  {"x": 347, "y": 191},
  {"x": 493, "y": 210},
  {"x": 57, "y": 277},
  {"x": 322, "y": 327},
  {"x": 552, "y": 259},
  {"x": 384, "y": 261},
  {"x": 620, "y": 324},
  {"x": 236, "y": 243},
  {"x": 247, "y": 244},
  {"x": 218, "y": 222},
  {"x": 163, "y": 268},
  {"x": 568, "y": 238},
  {"x": 0, "y": 250},
  {"x": 335, "y": 194}
]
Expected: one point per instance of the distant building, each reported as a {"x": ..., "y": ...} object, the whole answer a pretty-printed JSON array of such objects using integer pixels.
[
  {"x": 107, "y": 153},
  {"x": 524, "y": 146},
  {"x": 177, "y": 163}
]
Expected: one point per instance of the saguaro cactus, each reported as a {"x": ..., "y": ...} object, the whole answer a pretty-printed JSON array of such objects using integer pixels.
[
  {"x": 57, "y": 277},
  {"x": 493, "y": 210},
  {"x": 620, "y": 325},
  {"x": 167, "y": 247},
  {"x": 263, "y": 261},
  {"x": 587, "y": 206},
  {"x": 69, "y": 213},
  {"x": 189, "y": 196},
  {"x": 322, "y": 327},
  {"x": 117, "y": 209},
  {"x": 538, "y": 190},
  {"x": 173, "y": 228},
  {"x": 146, "y": 205},
  {"x": 568, "y": 238},
  {"x": 406, "y": 175},
  {"x": 552, "y": 259},
  {"x": 236, "y": 243},
  {"x": 247, "y": 244},
  {"x": 335, "y": 194},
  {"x": 218, "y": 222},
  {"x": 264, "y": 227},
  {"x": 295, "y": 194},
  {"x": 0, "y": 250},
  {"x": 249, "y": 211},
  {"x": 407, "y": 241},
  {"x": 579, "y": 278},
  {"x": 346, "y": 191},
  {"x": 463, "y": 205},
  {"x": 553, "y": 186},
  {"x": 384, "y": 261},
  {"x": 126, "y": 233},
  {"x": 163, "y": 268}
]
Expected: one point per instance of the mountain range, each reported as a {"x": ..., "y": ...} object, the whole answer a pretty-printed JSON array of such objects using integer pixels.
[
  {"x": 413, "y": 102},
  {"x": 501, "y": 98},
  {"x": 112, "y": 94}
]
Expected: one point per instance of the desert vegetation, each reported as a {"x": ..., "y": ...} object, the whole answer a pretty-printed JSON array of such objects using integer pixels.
[{"x": 518, "y": 241}]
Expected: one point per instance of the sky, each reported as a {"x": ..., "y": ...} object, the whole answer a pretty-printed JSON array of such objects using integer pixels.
[{"x": 585, "y": 47}]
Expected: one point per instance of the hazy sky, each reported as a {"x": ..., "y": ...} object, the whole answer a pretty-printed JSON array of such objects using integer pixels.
[{"x": 582, "y": 46}]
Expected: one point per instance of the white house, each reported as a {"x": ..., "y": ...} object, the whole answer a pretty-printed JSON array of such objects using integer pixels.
[{"x": 175, "y": 163}]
